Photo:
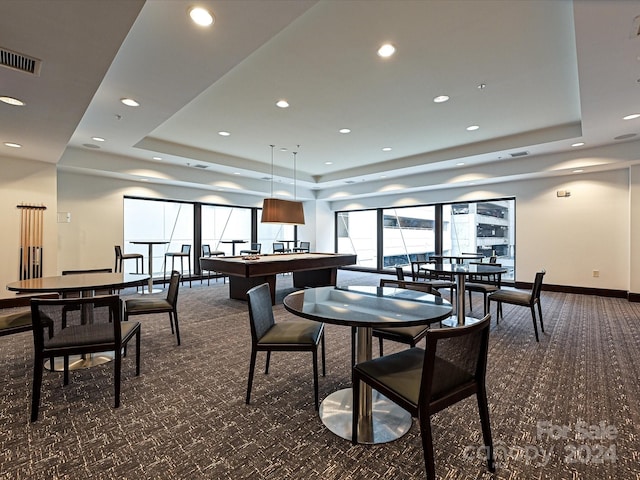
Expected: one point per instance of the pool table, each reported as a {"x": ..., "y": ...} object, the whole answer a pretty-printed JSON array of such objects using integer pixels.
[{"x": 309, "y": 270}]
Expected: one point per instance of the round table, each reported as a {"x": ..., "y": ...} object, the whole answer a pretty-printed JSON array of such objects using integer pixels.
[
  {"x": 86, "y": 284},
  {"x": 366, "y": 307},
  {"x": 233, "y": 245},
  {"x": 461, "y": 271},
  {"x": 150, "y": 243}
]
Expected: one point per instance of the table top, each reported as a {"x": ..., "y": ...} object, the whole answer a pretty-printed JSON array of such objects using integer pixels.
[
  {"x": 367, "y": 306},
  {"x": 233, "y": 241},
  {"x": 464, "y": 268},
  {"x": 147, "y": 242},
  {"x": 461, "y": 256},
  {"x": 79, "y": 282}
]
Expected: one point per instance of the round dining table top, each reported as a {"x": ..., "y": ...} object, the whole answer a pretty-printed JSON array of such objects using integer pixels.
[
  {"x": 368, "y": 306},
  {"x": 464, "y": 268},
  {"x": 78, "y": 282}
]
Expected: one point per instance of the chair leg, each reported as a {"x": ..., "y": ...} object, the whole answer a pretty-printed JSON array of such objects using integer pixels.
[
  {"x": 485, "y": 304},
  {"x": 381, "y": 348},
  {"x": 117, "y": 368},
  {"x": 315, "y": 376},
  {"x": 189, "y": 265},
  {"x": 171, "y": 323},
  {"x": 175, "y": 320},
  {"x": 535, "y": 324},
  {"x": 427, "y": 447},
  {"x": 470, "y": 302},
  {"x": 483, "y": 408},
  {"x": 266, "y": 367},
  {"x": 353, "y": 346},
  {"x": 324, "y": 369},
  {"x": 65, "y": 368},
  {"x": 252, "y": 366},
  {"x": 540, "y": 314},
  {"x": 37, "y": 385},
  {"x": 138, "y": 353}
]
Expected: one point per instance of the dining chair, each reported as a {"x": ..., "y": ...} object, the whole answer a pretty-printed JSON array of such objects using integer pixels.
[
  {"x": 269, "y": 336},
  {"x": 278, "y": 247},
  {"x": 304, "y": 247},
  {"x": 439, "y": 281},
  {"x": 254, "y": 249},
  {"x": 424, "y": 382},
  {"x": 529, "y": 298},
  {"x": 207, "y": 252},
  {"x": 61, "y": 328},
  {"x": 150, "y": 305},
  {"x": 484, "y": 283},
  {"x": 185, "y": 252}
]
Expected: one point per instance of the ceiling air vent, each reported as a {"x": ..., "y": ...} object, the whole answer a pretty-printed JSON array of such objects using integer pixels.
[
  {"x": 519, "y": 154},
  {"x": 349, "y": 181},
  {"x": 18, "y": 61},
  {"x": 200, "y": 165}
]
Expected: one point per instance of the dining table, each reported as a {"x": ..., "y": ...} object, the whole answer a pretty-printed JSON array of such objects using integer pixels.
[
  {"x": 86, "y": 284},
  {"x": 461, "y": 271},
  {"x": 460, "y": 258},
  {"x": 366, "y": 307},
  {"x": 150, "y": 244}
]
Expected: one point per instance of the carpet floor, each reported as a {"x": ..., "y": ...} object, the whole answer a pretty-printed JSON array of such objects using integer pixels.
[{"x": 564, "y": 408}]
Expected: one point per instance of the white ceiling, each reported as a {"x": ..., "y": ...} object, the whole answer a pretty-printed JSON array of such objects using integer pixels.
[{"x": 555, "y": 73}]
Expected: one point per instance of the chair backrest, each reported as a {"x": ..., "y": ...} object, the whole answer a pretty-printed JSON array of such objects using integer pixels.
[
  {"x": 174, "y": 286},
  {"x": 409, "y": 285},
  {"x": 455, "y": 360},
  {"x": 278, "y": 247},
  {"x": 305, "y": 245},
  {"x": 260, "y": 311},
  {"x": 50, "y": 316},
  {"x": 82, "y": 272},
  {"x": 256, "y": 246},
  {"x": 421, "y": 257},
  {"x": 493, "y": 278},
  {"x": 206, "y": 250},
  {"x": 399, "y": 273},
  {"x": 118, "y": 250},
  {"x": 186, "y": 249},
  {"x": 493, "y": 259},
  {"x": 537, "y": 285}
]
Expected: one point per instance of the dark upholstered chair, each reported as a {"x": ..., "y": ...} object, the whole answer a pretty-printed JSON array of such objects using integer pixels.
[
  {"x": 207, "y": 252},
  {"x": 303, "y": 248},
  {"x": 61, "y": 328},
  {"x": 253, "y": 250},
  {"x": 278, "y": 247},
  {"x": 523, "y": 298},
  {"x": 408, "y": 335},
  {"x": 185, "y": 252},
  {"x": 151, "y": 304},
  {"x": 424, "y": 382},
  {"x": 269, "y": 336},
  {"x": 485, "y": 284},
  {"x": 121, "y": 257},
  {"x": 438, "y": 281}
]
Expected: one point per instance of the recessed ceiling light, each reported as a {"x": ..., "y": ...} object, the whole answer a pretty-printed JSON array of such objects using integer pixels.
[
  {"x": 283, "y": 149},
  {"x": 344, "y": 130},
  {"x": 236, "y": 173},
  {"x": 383, "y": 176},
  {"x": 459, "y": 164},
  {"x": 129, "y": 102},
  {"x": 441, "y": 98},
  {"x": 144, "y": 179},
  {"x": 328, "y": 163},
  {"x": 282, "y": 104},
  {"x": 386, "y": 50},
  {"x": 471, "y": 128},
  {"x": 157, "y": 158},
  {"x": 386, "y": 149},
  {"x": 632, "y": 116},
  {"x": 97, "y": 139},
  {"x": 222, "y": 133},
  {"x": 482, "y": 86},
  {"x": 12, "y": 101},
  {"x": 201, "y": 16},
  {"x": 12, "y": 145},
  {"x": 579, "y": 170},
  {"x": 577, "y": 144}
]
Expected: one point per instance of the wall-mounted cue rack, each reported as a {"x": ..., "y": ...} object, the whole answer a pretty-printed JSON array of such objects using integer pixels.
[{"x": 31, "y": 233}]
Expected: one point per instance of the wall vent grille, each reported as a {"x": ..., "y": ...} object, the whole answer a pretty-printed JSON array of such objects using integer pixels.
[
  {"x": 20, "y": 62},
  {"x": 519, "y": 154}
]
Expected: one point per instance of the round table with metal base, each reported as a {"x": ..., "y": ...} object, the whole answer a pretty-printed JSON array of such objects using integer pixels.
[{"x": 387, "y": 422}]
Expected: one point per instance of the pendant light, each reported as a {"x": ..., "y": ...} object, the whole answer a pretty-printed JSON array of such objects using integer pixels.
[{"x": 276, "y": 210}]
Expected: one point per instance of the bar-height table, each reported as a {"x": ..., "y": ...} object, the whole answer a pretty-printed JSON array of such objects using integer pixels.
[
  {"x": 233, "y": 245},
  {"x": 150, "y": 243},
  {"x": 461, "y": 271},
  {"x": 380, "y": 420},
  {"x": 460, "y": 258}
]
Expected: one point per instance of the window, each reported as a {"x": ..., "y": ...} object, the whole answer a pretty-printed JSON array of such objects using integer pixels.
[
  {"x": 407, "y": 232},
  {"x": 225, "y": 223},
  {"x": 357, "y": 233}
]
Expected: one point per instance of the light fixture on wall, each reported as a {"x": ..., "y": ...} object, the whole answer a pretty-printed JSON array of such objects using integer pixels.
[{"x": 276, "y": 210}]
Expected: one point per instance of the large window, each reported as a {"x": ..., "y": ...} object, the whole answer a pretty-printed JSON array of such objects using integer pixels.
[
  {"x": 357, "y": 233},
  {"x": 220, "y": 224},
  {"x": 272, "y": 232},
  {"x": 151, "y": 220},
  {"x": 407, "y": 232}
]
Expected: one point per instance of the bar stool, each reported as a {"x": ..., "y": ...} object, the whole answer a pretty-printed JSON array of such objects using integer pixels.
[
  {"x": 185, "y": 252},
  {"x": 121, "y": 257},
  {"x": 206, "y": 252}
]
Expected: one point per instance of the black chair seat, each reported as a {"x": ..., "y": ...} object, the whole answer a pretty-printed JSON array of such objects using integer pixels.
[
  {"x": 292, "y": 333},
  {"x": 480, "y": 287},
  {"x": 99, "y": 335},
  {"x": 512, "y": 296},
  {"x": 148, "y": 305},
  {"x": 401, "y": 332}
]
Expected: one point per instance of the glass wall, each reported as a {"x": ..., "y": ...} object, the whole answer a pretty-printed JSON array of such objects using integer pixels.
[
  {"x": 150, "y": 220},
  {"x": 357, "y": 232},
  {"x": 222, "y": 224},
  {"x": 273, "y": 232},
  {"x": 407, "y": 232}
]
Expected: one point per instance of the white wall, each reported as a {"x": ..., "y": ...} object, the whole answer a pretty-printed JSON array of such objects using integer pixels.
[
  {"x": 569, "y": 237},
  {"x": 31, "y": 183}
]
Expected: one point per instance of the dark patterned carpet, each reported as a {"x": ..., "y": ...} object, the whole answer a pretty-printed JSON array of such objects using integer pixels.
[{"x": 564, "y": 408}]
